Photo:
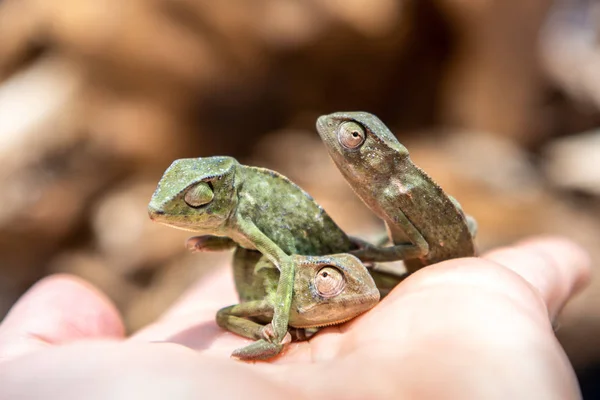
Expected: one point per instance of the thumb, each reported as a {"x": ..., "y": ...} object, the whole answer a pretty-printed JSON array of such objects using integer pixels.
[{"x": 56, "y": 310}]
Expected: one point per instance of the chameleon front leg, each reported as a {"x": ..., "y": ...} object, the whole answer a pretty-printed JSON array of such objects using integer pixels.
[
  {"x": 233, "y": 319},
  {"x": 416, "y": 246},
  {"x": 373, "y": 253},
  {"x": 361, "y": 243},
  {"x": 285, "y": 285},
  {"x": 384, "y": 280},
  {"x": 277, "y": 330}
]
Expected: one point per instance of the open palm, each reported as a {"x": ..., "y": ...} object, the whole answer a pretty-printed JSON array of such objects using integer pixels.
[{"x": 465, "y": 328}]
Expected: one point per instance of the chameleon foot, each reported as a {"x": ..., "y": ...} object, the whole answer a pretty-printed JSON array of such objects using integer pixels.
[
  {"x": 259, "y": 350},
  {"x": 199, "y": 244},
  {"x": 268, "y": 334},
  {"x": 302, "y": 334}
]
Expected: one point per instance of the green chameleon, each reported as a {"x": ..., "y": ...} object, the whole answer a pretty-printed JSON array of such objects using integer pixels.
[
  {"x": 258, "y": 209},
  {"x": 425, "y": 224}
]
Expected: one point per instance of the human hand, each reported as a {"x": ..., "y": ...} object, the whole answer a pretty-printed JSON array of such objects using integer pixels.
[{"x": 466, "y": 328}]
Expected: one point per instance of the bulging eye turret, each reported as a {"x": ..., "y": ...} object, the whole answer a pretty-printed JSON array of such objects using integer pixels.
[{"x": 351, "y": 135}]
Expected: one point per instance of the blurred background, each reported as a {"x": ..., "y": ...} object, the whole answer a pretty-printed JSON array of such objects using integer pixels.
[{"x": 499, "y": 101}]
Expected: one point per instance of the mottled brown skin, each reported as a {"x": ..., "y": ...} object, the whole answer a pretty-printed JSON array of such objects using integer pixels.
[
  {"x": 256, "y": 280},
  {"x": 424, "y": 223}
]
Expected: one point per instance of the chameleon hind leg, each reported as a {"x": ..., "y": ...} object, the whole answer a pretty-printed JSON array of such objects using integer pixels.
[{"x": 234, "y": 319}]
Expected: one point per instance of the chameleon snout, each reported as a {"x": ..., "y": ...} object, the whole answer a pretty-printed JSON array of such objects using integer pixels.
[{"x": 154, "y": 213}]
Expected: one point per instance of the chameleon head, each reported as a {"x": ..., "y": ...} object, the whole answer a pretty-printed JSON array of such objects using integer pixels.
[
  {"x": 359, "y": 143},
  {"x": 195, "y": 194},
  {"x": 340, "y": 288}
]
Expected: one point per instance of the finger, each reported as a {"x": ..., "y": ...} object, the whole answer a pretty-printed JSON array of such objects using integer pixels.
[
  {"x": 516, "y": 282},
  {"x": 191, "y": 321},
  {"x": 555, "y": 267},
  {"x": 99, "y": 370},
  {"x": 213, "y": 291},
  {"x": 458, "y": 315},
  {"x": 56, "y": 310}
]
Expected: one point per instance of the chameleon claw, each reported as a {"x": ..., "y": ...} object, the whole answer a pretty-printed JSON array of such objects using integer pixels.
[
  {"x": 268, "y": 334},
  {"x": 287, "y": 339},
  {"x": 195, "y": 244}
]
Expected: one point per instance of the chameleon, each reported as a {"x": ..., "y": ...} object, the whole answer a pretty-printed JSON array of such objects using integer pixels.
[
  {"x": 328, "y": 290},
  {"x": 425, "y": 224},
  {"x": 257, "y": 209}
]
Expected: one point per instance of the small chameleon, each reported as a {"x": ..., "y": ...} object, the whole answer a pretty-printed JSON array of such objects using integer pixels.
[
  {"x": 258, "y": 209},
  {"x": 424, "y": 223},
  {"x": 328, "y": 290}
]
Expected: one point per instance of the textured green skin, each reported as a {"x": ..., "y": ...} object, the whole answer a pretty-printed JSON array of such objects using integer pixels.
[
  {"x": 424, "y": 223},
  {"x": 280, "y": 209},
  {"x": 256, "y": 281},
  {"x": 258, "y": 209}
]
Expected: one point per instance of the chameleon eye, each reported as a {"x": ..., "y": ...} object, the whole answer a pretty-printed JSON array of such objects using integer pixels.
[
  {"x": 329, "y": 282},
  {"x": 351, "y": 135},
  {"x": 199, "y": 195}
]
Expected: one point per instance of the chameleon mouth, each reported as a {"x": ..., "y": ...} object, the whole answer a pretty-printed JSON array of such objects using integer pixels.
[
  {"x": 367, "y": 300},
  {"x": 338, "y": 322},
  {"x": 371, "y": 301},
  {"x": 181, "y": 228},
  {"x": 172, "y": 225}
]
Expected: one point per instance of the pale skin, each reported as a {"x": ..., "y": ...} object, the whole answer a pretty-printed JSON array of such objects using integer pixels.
[{"x": 449, "y": 331}]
